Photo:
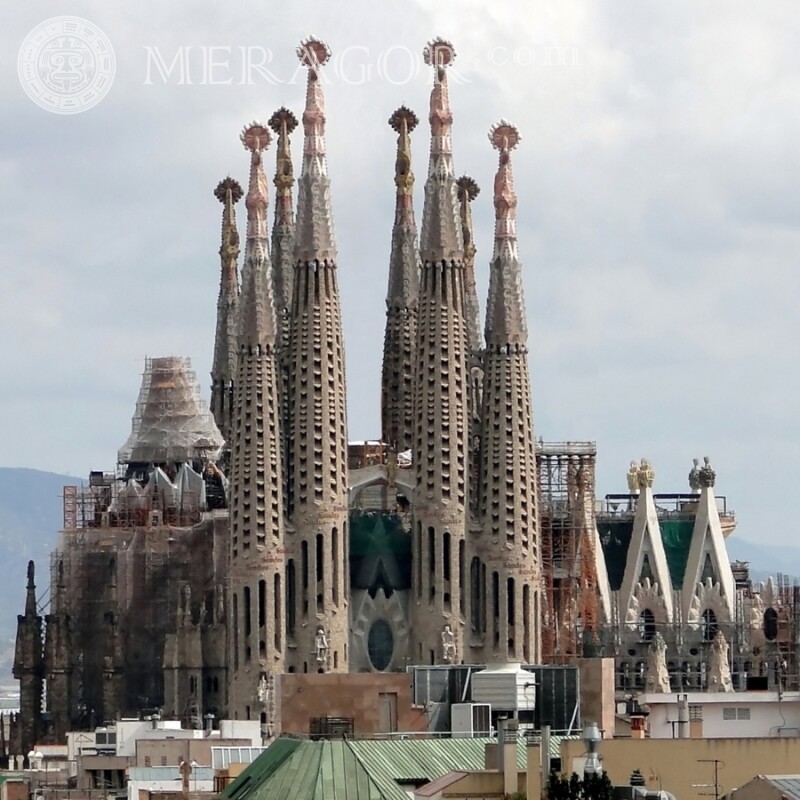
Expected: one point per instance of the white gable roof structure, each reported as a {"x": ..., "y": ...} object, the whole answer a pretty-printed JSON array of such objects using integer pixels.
[
  {"x": 646, "y": 544},
  {"x": 708, "y": 543}
]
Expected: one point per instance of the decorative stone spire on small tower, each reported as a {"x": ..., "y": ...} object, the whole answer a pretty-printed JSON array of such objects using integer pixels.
[
  {"x": 440, "y": 392},
  {"x": 256, "y": 623},
  {"x": 58, "y": 659},
  {"x": 317, "y": 574},
  {"x": 223, "y": 369},
  {"x": 283, "y": 122},
  {"x": 509, "y": 546},
  {"x": 29, "y": 666},
  {"x": 397, "y": 398}
]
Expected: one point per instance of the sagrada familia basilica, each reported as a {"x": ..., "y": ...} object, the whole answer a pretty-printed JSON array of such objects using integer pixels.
[{"x": 248, "y": 538}]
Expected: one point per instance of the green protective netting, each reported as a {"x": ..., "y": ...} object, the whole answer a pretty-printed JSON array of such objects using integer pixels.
[
  {"x": 615, "y": 539},
  {"x": 677, "y": 537},
  {"x": 379, "y": 544}
]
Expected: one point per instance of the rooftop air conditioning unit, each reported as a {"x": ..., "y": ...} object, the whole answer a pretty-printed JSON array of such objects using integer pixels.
[{"x": 468, "y": 720}]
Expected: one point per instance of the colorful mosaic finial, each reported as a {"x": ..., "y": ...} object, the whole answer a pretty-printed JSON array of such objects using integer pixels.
[
  {"x": 256, "y": 138},
  {"x": 504, "y": 138},
  {"x": 403, "y": 121}
]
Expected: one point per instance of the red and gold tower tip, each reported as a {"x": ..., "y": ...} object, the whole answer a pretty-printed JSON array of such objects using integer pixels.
[{"x": 255, "y": 137}]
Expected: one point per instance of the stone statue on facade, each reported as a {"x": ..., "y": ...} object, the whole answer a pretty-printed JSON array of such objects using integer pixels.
[
  {"x": 633, "y": 478},
  {"x": 646, "y": 475},
  {"x": 448, "y": 645},
  {"x": 694, "y": 477},
  {"x": 719, "y": 671},
  {"x": 657, "y": 677},
  {"x": 708, "y": 476},
  {"x": 321, "y": 645}
]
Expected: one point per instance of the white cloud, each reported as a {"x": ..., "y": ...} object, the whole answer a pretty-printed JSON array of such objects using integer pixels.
[{"x": 659, "y": 219}]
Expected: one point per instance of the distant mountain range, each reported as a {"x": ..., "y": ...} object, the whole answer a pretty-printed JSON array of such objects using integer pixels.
[
  {"x": 31, "y": 515},
  {"x": 765, "y": 559}
]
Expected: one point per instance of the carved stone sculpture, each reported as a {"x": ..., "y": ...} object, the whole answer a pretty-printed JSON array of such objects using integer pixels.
[
  {"x": 694, "y": 477},
  {"x": 321, "y": 645},
  {"x": 657, "y": 677},
  {"x": 633, "y": 478},
  {"x": 708, "y": 476},
  {"x": 646, "y": 475},
  {"x": 448, "y": 645},
  {"x": 719, "y": 671}
]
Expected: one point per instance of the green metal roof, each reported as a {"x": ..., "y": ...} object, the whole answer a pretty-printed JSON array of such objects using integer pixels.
[
  {"x": 361, "y": 769},
  {"x": 365, "y": 769}
]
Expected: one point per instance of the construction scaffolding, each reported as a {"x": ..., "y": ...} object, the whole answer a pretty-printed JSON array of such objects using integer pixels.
[{"x": 566, "y": 473}]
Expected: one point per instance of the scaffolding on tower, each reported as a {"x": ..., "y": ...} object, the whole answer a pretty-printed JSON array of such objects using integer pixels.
[{"x": 566, "y": 472}]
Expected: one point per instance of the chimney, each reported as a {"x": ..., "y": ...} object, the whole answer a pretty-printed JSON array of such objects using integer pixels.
[
  {"x": 507, "y": 746},
  {"x": 591, "y": 739},
  {"x": 683, "y": 716}
]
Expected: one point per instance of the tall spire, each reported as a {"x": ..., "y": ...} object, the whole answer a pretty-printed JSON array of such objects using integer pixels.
[
  {"x": 257, "y": 325},
  {"x": 397, "y": 399},
  {"x": 314, "y": 232},
  {"x": 505, "y": 312},
  {"x": 317, "y": 574},
  {"x": 442, "y": 238},
  {"x": 223, "y": 369},
  {"x": 256, "y": 619},
  {"x": 30, "y": 592},
  {"x": 440, "y": 393},
  {"x": 468, "y": 190},
  {"x": 508, "y": 546},
  {"x": 283, "y": 122}
]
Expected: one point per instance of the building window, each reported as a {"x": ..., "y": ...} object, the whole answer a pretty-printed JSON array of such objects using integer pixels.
[
  {"x": 742, "y": 713},
  {"x": 771, "y": 624},
  {"x": 708, "y": 625},
  {"x": 647, "y": 625},
  {"x": 380, "y": 645}
]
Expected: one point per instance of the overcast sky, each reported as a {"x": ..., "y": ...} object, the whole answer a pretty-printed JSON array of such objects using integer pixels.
[{"x": 659, "y": 216}]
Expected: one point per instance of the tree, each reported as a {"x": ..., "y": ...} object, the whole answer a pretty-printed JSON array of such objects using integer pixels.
[
  {"x": 591, "y": 787},
  {"x": 637, "y": 779}
]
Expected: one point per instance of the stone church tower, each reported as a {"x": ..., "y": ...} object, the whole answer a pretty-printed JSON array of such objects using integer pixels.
[
  {"x": 507, "y": 568},
  {"x": 29, "y": 667},
  {"x": 316, "y": 571},
  {"x": 223, "y": 368},
  {"x": 440, "y": 392},
  {"x": 256, "y": 610},
  {"x": 402, "y": 297}
]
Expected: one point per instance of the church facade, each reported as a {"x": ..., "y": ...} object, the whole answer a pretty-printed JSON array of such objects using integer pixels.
[{"x": 250, "y": 540}]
